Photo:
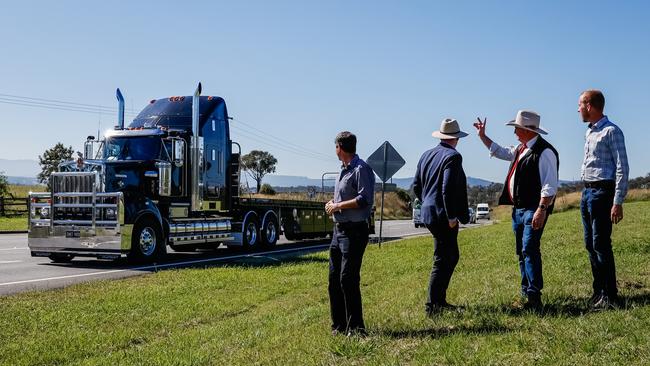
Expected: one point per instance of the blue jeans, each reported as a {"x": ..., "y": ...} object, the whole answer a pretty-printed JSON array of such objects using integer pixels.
[
  {"x": 528, "y": 251},
  {"x": 596, "y": 207}
]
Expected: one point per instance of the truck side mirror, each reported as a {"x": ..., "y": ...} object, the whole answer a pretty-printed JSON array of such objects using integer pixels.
[
  {"x": 178, "y": 152},
  {"x": 164, "y": 178}
]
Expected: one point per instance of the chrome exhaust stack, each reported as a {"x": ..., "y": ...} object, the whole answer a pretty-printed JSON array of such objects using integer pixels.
[
  {"x": 195, "y": 155},
  {"x": 120, "y": 110}
]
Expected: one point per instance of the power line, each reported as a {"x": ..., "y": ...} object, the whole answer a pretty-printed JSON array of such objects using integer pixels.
[
  {"x": 302, "y": 149},
  {"x": 58, "y": 105}
]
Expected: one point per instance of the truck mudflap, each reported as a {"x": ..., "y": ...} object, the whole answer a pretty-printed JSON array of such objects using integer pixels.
[{"x": 78, "y": 223}]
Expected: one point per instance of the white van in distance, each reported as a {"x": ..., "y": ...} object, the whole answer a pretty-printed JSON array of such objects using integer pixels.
[{"x": 482, "y": 211}]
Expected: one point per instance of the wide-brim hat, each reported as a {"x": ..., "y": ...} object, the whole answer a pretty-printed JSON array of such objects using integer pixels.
[
  {"x": 449, "y": 129},
  {"x": 528, "y": 120}
]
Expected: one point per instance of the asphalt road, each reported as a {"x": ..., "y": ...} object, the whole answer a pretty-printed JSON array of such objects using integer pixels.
[{"x": 20, "y": 272}]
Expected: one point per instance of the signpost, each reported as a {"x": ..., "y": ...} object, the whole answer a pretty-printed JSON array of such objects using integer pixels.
[{"x": 385, "y": 161}]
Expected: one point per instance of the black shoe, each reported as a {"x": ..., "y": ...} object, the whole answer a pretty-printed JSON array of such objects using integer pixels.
[
  {"x": 606, "y": 303},
  {"x": 595, "y": 297},
  {"x": 357, "y": 332},
  {"x": 534, "y": 303}
]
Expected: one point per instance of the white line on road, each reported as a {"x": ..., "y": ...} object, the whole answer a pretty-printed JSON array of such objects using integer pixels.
[
  {"x": 7, "y": 262},
  {"x": 163, "y": 265},
  {"x": 15, "y": 248}
]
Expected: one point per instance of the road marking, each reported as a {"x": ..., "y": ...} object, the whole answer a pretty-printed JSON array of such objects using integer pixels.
[
  {"x": 7, "y": 262},
  {"x": 15, "y": 248},
  {"x": 206, "y": 260}
]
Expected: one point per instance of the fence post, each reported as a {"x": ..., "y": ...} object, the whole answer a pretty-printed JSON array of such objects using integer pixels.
[{"x": 2, "y": 206}]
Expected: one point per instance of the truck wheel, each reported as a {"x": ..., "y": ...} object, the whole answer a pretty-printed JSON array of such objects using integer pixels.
[
  {"x": 270, "y": 232},
  {"x": 147, "y": 242},
  {"x": 61, "y": 258},
  {"x": 250, "y": 233}
]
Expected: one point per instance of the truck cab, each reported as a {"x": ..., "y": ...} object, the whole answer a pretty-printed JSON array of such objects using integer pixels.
[{"x": 169, "y": 178}]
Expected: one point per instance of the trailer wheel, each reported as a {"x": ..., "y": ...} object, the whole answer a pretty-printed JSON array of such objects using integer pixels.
[
  {"x": 147, "y": 242},
  {"x": 270, "y": 231},
  {"x": 250, "y": 232},
  {"x": 61, "y": 258}
]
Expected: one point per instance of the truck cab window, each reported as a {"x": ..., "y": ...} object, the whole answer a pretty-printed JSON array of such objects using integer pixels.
[{"x": 133, "y": 148}]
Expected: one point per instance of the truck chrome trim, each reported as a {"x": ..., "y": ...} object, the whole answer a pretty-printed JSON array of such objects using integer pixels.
[
  {"x": 120, "y": 109},
  {"x": 195, "y": 154}
]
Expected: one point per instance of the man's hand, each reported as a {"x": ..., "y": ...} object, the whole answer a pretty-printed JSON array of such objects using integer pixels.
[
  {"x": 617, "y": 213},
  {"x": 453, "y": 223},
  {"x": 331, "y": 207},
  {"x": 480, "y": 127},
  {"x": 538, "y": 219}
]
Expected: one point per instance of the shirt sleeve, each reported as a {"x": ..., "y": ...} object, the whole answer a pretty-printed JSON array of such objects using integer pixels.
[
  {"x": 617, "y": 147},
  {"x": 548, "y": 173},
  {"x": 366, "y": 188},
  {"x": 417, "y": 185},
  {"x": 503, "y": 153}
]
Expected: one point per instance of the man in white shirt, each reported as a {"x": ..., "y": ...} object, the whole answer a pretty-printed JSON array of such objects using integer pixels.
[{"x": 530, "y": 187}]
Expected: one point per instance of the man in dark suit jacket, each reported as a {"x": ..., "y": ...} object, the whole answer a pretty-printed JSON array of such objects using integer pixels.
[{"x": 440, "y": 184}]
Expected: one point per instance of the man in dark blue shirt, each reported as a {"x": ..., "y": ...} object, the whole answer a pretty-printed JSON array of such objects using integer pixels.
[
  {"x": 351, "y": 208},
  {"x": 440, "y": 184}
]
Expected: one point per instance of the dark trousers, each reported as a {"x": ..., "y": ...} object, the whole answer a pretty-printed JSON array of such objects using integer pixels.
[
  {"x": 445, "y": 258},
  {"x": 346, "y": 253},
  {"x": 528, "y": 243},
  {"x": 596, "y": 207}
]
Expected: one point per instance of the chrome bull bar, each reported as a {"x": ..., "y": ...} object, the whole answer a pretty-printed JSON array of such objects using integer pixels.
[{"x": 79, "y": 220}]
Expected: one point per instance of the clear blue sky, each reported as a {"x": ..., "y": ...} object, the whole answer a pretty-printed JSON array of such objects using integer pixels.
[{"x": 305, "y": 70}]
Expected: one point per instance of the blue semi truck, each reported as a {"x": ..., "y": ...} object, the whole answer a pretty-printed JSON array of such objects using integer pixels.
[{"x": 169, "y": 178}]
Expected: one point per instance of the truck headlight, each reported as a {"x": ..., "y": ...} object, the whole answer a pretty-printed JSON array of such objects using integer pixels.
[{"x": 45, "y": 212}]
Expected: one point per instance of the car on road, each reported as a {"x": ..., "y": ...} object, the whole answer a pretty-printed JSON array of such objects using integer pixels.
[
  {"x": 472, "y": 215},
  {"x": 417, "y": 219},
  {"x": 483, "y": 211}
]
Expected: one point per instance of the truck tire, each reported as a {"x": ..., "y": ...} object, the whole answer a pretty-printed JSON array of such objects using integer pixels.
[
  {"x": 250, "y": 232},
  {"x": 147, "y": 242},
  {"x": 270, "y": 230},
  {"x": 61, "y": 258}
]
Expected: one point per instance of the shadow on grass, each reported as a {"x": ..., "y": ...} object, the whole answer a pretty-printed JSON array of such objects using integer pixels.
[
  {"x": 489, "y": 326},
  {"x": 565, "y": 307}
]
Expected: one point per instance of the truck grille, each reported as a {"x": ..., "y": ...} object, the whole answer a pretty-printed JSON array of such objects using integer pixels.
[{"x": 76, "y": 201}]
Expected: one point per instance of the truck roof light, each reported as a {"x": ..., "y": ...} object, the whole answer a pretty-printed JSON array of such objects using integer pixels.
[{"x": 152, "y": 101}]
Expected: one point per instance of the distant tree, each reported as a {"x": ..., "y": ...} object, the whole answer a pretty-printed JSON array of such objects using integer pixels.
[
  {"x": 4, "y": 185},
  {"x": 51, "y": 159},
  {"x": 267, "y": 189},
  {"x": 258, "y": 164}
]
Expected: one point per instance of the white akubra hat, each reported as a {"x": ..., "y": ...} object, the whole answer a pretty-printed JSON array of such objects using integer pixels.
[
  {"x": 449, "y": 130},
  {"x": 528, "y": 120}
]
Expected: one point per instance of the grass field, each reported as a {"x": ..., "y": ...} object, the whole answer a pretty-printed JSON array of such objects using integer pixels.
[{"x": 275, "y": 310}]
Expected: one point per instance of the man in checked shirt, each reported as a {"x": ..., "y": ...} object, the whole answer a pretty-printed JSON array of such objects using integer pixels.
[{"x": 605, "y": 175}]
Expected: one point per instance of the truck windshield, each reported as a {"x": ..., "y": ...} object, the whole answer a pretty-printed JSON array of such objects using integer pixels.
[{"x": 132, "y": 148}]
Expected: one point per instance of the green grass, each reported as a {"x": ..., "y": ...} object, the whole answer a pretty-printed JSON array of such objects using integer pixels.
[
  {"x": 264, "y": 311},
  {"x": 13, "y": 223}
]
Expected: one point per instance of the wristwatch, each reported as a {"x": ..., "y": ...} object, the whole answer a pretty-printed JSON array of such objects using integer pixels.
[{"x": 542, "y": 206}]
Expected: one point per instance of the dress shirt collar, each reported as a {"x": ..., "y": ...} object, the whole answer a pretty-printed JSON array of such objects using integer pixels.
[
  {"x": 354, "y": 162},
  {"x": 598, "y": 124},
  {"x": 531, "y": 142},
  {"x": 447, "y": 145}
]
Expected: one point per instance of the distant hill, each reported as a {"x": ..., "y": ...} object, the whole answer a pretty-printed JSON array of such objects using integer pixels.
[
  {"x": 20, "y": 168},
  {"x": 23, "y": 181},
  {"x": 296, "y": 181}
]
